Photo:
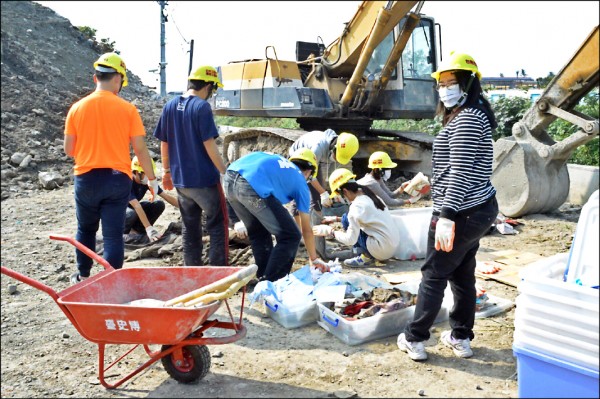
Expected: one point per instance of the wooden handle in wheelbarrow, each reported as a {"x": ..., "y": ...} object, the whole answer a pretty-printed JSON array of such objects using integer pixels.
[
  {"x": 216, "y": 296},
  {"x": 84, "y": 249},
  {"x": 219, "y": 285}
]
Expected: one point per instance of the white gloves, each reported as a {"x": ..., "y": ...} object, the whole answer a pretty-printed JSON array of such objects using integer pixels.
[
  {"x": 153, "y": 186},
  {"x": 325, "y": 200},
  {"x": 329, "y": 219},
  {"x": 323, "y": 230},
  {"x": 152, "y": 233},
  {"x": 319, "y": 264},
  {"x": 240, "y": 229},
  {"x": 444, "y": 235}
]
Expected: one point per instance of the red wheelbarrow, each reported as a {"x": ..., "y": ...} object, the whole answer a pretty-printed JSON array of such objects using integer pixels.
[{"x": 112, "y": 308}]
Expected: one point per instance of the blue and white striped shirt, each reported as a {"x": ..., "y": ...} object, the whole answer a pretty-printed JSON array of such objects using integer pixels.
[{"x": 462, "y": 164}]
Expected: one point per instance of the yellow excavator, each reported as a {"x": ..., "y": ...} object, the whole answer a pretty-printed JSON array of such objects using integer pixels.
[{"x": 380, "y": 69}]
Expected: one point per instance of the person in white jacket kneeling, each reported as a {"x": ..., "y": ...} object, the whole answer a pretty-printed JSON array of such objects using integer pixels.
[{"x": 368, "y": 225}]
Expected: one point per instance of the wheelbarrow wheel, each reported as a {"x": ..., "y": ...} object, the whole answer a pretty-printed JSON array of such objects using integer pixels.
[{"x": 195, "y": 365}]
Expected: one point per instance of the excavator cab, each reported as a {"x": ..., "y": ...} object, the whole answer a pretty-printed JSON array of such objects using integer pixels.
[{"x": 380, "y": 68}]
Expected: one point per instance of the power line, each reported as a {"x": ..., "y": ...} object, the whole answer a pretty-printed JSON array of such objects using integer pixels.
[{"x": 177, "y": 27}]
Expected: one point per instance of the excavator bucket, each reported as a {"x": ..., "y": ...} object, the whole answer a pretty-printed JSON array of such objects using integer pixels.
[{"x": 526, "y": 183}]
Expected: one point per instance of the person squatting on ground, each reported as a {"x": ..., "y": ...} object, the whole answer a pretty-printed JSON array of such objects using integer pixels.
[
  {"x": 99, "y": 130},
  {"x": 257, "y": 186},
  {"x": 140, "y": 215},
  {"x": 193, "y": 165},
  {"x": 381, "y": 166},
  {"x": 327, "y": 147},
  {"x": 464, "y": 208},
  {"x": 368, "y": 225}
]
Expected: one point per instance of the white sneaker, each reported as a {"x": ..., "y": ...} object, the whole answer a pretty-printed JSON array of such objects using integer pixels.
[
  {"x": 359, "y": 261},
  {"x": 415, "y": 350},
  {"x": 77, "y": 278},
  {"x": 461, "y": 347}
]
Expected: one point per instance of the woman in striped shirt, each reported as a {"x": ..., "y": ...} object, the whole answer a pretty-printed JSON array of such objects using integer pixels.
[{"x": 464, "y": 208}]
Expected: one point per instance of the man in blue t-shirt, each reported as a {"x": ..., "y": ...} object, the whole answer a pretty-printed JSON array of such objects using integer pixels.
[
  {"x": 193, "y": 165},
  {"x": 257, "y": 185}
]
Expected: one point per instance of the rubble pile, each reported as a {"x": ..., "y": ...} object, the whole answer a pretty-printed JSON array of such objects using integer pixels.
[{"x": 46, "y": 67}]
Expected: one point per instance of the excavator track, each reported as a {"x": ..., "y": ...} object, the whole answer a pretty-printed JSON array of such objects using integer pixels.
[{"x": 411, "y": 150}]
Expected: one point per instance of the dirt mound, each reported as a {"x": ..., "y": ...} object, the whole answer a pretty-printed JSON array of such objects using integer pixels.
[{"x": 46, "y": 67}]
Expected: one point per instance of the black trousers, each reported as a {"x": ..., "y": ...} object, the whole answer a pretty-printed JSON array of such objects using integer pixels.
[
  {"x": 456, "y": 267},
  {"x": 153, "y": 211}
]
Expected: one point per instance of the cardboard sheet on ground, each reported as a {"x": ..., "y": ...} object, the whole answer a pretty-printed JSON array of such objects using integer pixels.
[
  {"x": 493, "y": 306},
  {"x": 510, "y": 261}
]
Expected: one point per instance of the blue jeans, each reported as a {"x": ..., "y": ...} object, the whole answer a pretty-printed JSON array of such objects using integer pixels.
[
  {"x": 192, "y": 202},
  {"x": 264, "y": 217},
  {"x": 456, "y": 267},
  {"x": 101, "y": 195},
  {"x": 360, "y": 247}
]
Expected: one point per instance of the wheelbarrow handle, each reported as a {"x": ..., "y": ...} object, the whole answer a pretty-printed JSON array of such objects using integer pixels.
[
  {"x": 29, "y": 281},
  {"x": 83, "y": 249}
]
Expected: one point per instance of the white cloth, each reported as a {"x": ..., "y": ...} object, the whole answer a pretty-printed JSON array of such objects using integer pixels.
[{"x": 377, "y": 224}]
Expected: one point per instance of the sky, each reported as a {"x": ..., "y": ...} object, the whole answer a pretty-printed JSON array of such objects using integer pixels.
[{"x": 502, "y": 36}]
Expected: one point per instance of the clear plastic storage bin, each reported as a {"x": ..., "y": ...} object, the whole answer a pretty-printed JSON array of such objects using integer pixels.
[
  {"x": 294, "y": 317},
  {"x": 381, "y": 325},
  {"x": 557, "y": 318}
]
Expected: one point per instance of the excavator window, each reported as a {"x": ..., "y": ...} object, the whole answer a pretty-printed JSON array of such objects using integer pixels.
[
  {"x": 417, "y": 56},
  {"x": 379, "y": 57}
]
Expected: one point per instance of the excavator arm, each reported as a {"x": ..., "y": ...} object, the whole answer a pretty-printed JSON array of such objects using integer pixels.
[
  {"x": 373, "y": 20},
  {"x": 530, "y": 172}
]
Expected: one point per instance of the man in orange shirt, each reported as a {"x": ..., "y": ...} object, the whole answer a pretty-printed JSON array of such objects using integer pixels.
[{"x": 98, "y": 132}]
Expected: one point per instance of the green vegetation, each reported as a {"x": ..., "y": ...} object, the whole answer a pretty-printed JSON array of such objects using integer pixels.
[
  {"x": 285, "y": 123},
  {"x": 104, "y": 45},
  {"x": 508, "y": 111}
]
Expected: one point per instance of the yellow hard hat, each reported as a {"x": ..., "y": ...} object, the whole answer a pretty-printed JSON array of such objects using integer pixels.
[
  {"x": 338, "y": 178},
  {"x": 457, "y": 61},
  {"x": 345, "y": 147},
  {"x": 135, "y": 165},
  {"x": 112, "y": 62},
  {"x": 206, "y": 73},
  {"x": 307, "y": 155},
  {"x": 381, "y": 160}
]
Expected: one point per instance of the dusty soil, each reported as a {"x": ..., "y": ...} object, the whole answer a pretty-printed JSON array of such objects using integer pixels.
[
  {"x": 46, "y": 66},
  {"x": 43, "y": 355}
]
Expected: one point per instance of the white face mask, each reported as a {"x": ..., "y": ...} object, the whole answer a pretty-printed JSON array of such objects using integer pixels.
[
  {"x": 450, "y": 95},
  {"x": 386, "y": 174},
  {"x": 144, "y": 180}
]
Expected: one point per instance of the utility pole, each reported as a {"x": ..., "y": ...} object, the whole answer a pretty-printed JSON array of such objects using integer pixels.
[
  {"x": 163, "y": 63},
  {"x": 191, "y": 56}
]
